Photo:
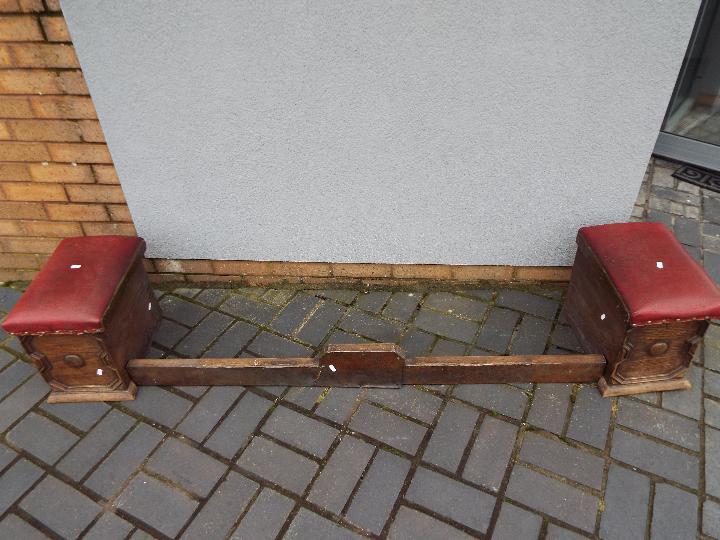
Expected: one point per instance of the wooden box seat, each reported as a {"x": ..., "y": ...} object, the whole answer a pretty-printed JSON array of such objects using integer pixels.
[
  {"x": 85, "y": 315},
  {"x": 637, "y": 297}
]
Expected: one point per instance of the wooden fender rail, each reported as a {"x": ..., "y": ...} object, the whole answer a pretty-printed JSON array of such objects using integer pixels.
[{"x": 376, "y": 364}]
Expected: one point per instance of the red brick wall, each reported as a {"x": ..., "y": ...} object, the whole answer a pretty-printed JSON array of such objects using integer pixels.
[{"x": 56, "y": 175}]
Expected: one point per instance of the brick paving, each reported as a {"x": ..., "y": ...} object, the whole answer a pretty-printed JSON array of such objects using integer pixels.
[{"x": 469, "y": 461}]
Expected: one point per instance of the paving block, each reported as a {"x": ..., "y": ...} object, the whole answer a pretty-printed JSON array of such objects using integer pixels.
[
  {"x": 6, "y": 359},
  {"x": 490, "y": 454},
  {"x": 627, "y": 498},
  {"x": 15, "y": 375},
  {"x": 563, "y": 336},
  {"x": 712, "y": 462},
  {"x": 407, "y": 400},
  {"x": 374, "y": 499},
  {"x": 410, "y": 524},
  {"x": 203, "y": 334},
  {"x": 278, "y": 464},
  {"x": 445, "y": 347},
  {"x": 8, "y": 298},
  {"x": 17, "y": 480},
  {"x": 169, "y": 333},
  {"x": 549, "y": 407},
  {"x": 309, "y": 525},
  {"x": 277, "y": 297},
  {"x": 450, "y": 436},
  {"x": 316, "y": 329},
  {"x": 655, "y": 458},
  {"x": 344, "y": 296},
  {"x": 172, "y": 461},
  {"x": 590, "y": 419},
  {"x": 711, "y": 209},
  {"x": 687, "y": 402},
  {"x": 388, "y": 428},
  {"x": 402, "y": 305},
  {"x": 555, "y": 456},
  {"x": 372, "y": 301},
  {"x": 527, "y": 303},
  {"x": 560, "y": 500},
  {"x": 446, "y": 325},
  {"x": 80, "y": 415},
  {"x": 222, "y": 510},
  {"x": 212, "y": 297},
  {"x": 687, "y": 231},
  {"x": 675, "y": 513},
  {"x": 188, "y": 292},
  {"x": 514, "y": 523},
  {"x": 416, "y": 342},
  {"x": 501, "y": 398},
  {"x": 50, "y": 446},
  {"x": 109, "y": 527},
  {"x": 711, "y": 262},
  {"x": 659, "y": 423},
  {"x": 294, "y": 313},
  {"x": 14, "y": 527},
  {"x": 159, "y": 405},
  {"x": 370, "y": 326},
  {"x": 231, "y": 342},
  {"x": 531, "y": 336},
  {"x": 122, "y": 462},
  {"x": 712, "y": 413},
  {"x": 712, "y": 383},
  {"x": 333, "y": 487},
  {"x": 459, "y": 502},
  {"x": 300, "y": 431},
  {"x": 272, "y": 346},
  {"x": 60, "y": 507},
  {"x": 265, "y": 518},
  {"x": 208, "y": 411},
  {"x": 182, "y": 311},
  {"x": 157, "y": 504},
  {"x": 250, "y": 310},
  {"x": 456, "y": 305},
  {"x": 237, "y": 428},
  {"x": 343, "y": 338},
  {"x": 497, "y": 330},
  {"x": 20, "y": 401},
  {"x": 559, "y": 533},
  {"x": 6, "y": 456},
  {"x": 93, "y": 447},
  {"x": 305, "y": 396},
  {"x": 338, "y": 403},
  {"x": 711, "y": 519}
]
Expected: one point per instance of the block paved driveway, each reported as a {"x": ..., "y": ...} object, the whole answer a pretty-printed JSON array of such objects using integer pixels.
[{"x": 551, "y": 461}]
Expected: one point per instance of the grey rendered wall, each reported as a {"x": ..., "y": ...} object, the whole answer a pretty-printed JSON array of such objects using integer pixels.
[{"x": 465, "y": 132}]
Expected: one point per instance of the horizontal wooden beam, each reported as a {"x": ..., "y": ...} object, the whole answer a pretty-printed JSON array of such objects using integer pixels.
[{"x": 379, "y": 364}]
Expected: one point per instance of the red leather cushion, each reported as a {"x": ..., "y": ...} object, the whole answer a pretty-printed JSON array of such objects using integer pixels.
[
  {"x": 630, "y": 253},
  {"x": 73, "y": 300}
]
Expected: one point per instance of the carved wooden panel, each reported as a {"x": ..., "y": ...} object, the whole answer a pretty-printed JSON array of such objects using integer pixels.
[
  {"x": 73, "y": 362},
  {"x": 658, "y": 352}
]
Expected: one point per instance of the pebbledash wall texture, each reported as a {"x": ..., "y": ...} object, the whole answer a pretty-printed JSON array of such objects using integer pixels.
[
  {"x": 57, "y": 177},
  {"x": 159, "y": 93}
]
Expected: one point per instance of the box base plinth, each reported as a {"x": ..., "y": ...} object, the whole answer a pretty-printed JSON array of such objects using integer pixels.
[
  {"x": 70, "y": 396},
  {"x": 612, "y": 390}
]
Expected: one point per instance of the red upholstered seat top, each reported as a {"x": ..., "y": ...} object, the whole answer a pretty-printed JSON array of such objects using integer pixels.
[
  {"x": 653, "y": 273},
  {"x": 76, "y": 285}
]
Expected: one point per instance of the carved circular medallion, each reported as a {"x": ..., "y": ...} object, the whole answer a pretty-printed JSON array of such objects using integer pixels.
[
  {"x": 73, "y": 360},
  {"x": 658, "y": 348}
]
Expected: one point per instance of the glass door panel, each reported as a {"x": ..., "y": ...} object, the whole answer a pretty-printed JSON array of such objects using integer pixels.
[{"x": 691, "y": 130}]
